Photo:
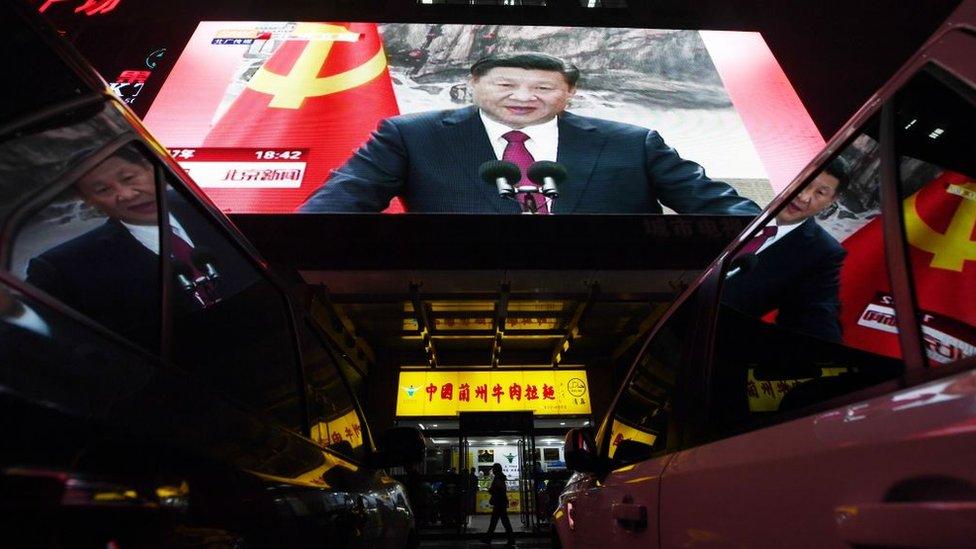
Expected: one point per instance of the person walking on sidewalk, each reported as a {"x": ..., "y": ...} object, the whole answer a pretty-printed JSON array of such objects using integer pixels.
[
  {"x": 499, "y": 505},
  {"x": 470, "y": 497}
]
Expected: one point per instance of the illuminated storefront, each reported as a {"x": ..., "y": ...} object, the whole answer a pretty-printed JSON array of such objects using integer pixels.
[{"x": 513, "y": 417}]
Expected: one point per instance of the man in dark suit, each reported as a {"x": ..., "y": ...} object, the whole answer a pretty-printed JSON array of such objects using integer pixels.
[
  {"x": 796, "y": 267},
  {"x": 431, "y": 160},
  {"x": 111, "y": 273}
]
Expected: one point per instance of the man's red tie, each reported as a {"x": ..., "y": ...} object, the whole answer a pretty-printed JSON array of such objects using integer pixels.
[
  {"x": 757, "y": 241},
  {"x": 516, "y": 153}
]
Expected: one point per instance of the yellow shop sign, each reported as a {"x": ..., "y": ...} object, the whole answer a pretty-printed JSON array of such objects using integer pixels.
[{"x": 447, "y": 393}]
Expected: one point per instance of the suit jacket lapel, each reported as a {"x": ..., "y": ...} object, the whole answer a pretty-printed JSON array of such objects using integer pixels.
[
  {"x": 802, "y": 234},
  {"x": 580, "y": 145},
  {"x": 783, "y": 251},
  {"x": 467, "y": 140},
  {"x": 137, "y": 258}
]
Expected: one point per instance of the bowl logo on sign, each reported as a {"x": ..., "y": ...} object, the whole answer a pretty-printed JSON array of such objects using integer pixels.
[{"x": 576, "y": 387}]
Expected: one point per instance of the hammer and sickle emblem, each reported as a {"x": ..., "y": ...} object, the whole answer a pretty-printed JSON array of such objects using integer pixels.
[
  {"x": 289, "y": 91},
  {"x": 953, "y": 248}
]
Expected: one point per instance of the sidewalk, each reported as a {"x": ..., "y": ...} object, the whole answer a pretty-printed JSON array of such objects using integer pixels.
[
  {"x": 524, "y": 543},
  {"x": 477, "y": 525}
]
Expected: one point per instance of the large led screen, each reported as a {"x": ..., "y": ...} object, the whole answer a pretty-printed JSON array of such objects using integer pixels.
[{"x": 279, "y": 117}]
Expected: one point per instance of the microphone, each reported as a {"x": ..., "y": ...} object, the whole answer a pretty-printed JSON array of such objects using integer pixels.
[
  {"x": 547, "y": 175},
  {"x": 184, "y": 276},
  {"x": 502, "y": 174},
  {"x": 204, "y": 261}
]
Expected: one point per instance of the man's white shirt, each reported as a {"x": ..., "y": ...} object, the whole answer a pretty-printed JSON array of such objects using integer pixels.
[
  {"x": 543, "y": 141},
  {"x": 781, "y": 231},
  {"x": 148, "y": 235}
]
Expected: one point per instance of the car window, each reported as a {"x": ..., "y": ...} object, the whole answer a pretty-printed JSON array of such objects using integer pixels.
[
  {"x": 937, "y": 164},
  {"x": 94, "y": 245},
  {"x": 355, "y": 379},
  {"x": 806, "y": 309},
  {"x": 334, "y": 420},
  {"x": 354, "y": 357},
  {"x": 640, "y": 422},
  {"x": 228, "y": 323},
  {"x": 36, "y": 159}
]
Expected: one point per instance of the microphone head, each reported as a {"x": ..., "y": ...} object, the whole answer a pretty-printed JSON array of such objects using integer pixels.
[
  {"x": 542, "y": 169},
  {"x": 547, "y": 175},
  {"x": 183, "y": 274},
  {"x": 204, "y": 260},
  {"x": 493, "y": 170}
]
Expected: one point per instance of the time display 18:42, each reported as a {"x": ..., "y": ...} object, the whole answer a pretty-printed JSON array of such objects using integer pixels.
[{"x": 278, "y": 155}]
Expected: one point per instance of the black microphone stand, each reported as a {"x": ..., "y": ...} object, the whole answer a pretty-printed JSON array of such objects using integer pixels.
[
  {"x": 528, "y": 204},
  {"x": 544, "y": 175}
]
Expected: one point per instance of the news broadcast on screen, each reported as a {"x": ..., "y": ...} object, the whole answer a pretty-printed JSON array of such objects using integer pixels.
[{"x": 265, "y": 116}]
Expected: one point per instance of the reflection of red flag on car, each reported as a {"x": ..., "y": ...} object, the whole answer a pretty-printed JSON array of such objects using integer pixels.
[
  {"x": 940, "y": 221},
  {"x": 324, "y": 89}
]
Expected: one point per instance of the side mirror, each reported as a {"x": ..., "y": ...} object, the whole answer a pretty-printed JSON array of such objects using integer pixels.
[
  {"x": 399, "y": 446},
  {"x": 579, "y": 450}
]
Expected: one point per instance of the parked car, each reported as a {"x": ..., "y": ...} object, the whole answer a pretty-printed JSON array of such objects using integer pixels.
[
  {"x": 818, "y": 391},
  {"x": 158, "y": 384}
]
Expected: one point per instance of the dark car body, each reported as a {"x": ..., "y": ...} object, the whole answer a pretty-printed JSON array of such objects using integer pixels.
[
  {"x": 149, "y": 401},
  {"x": 746, "y": 427}
]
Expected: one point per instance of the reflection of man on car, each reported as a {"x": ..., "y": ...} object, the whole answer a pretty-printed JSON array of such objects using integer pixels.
[
  {"x": 111, "y": 273},
  {"x": 793, "y": 266},
  {"x": 431, "y": 160}
]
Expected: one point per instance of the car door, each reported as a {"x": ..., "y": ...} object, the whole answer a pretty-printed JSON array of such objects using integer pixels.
[
  {"x": 382, "y": 515},
  {"x": 865, "y": 441},
  {"x": 148, "y": 344},
  {"x": 232, "y": 327},
  {"x": 618, "y": 504},
  {"x": 82, "y": 311}
]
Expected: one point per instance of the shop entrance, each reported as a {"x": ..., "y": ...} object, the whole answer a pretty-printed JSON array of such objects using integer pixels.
[
  {"x": 529, "y": 448},
  {"x": 508, "y": 439}
]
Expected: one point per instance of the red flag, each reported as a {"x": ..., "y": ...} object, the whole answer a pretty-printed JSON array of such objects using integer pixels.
[
  {"x": 940, "y": 221},
  {"x": 325, "y": 89}
]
